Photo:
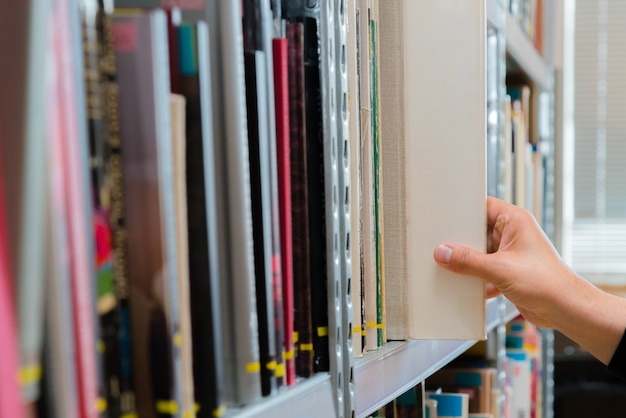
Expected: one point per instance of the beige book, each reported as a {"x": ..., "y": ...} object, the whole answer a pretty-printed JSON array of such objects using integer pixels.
[
  {"x": 177, "y": 108},
  {"x": 433, "y": 83},
  {"x": 355, "y": 174}
]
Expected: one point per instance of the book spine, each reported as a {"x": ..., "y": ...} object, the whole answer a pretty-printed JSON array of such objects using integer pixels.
[
  {"x": 377, "y": 164},
  {"x": 261, "y": 213},
  {"x": 185, "y": 341},
  {"x": 281, "y": 92},
  {"x": 79, "y": 209},
  {"x": 160, "y": 65},
  {"x": 28, "y": 213},
  {"x": 123, "y": 342},
  {"x": 276, "y": 263},
  {"x": 242, "y": 351},
  {"x": 316, "y": 186},
  {"x": 368, "y": 214},
  {"x": 10, "y": 405},
  {"x": 95, "y": 87},
  {"x": 303, "y": 339},
  {"x": 394, "y": 190},
  {"x": 355, "y": 173},
  {"x": 201, "y": 214}
]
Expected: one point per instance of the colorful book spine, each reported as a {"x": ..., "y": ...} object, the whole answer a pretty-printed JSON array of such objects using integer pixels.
[{"x": 117, "y": 221}]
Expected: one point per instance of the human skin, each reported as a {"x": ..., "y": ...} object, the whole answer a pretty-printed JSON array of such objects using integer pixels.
[{"x": 522, "y": 264}]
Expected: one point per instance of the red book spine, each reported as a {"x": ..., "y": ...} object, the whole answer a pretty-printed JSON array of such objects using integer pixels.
[
  {"x": 10, "y": 405},
  {"x": 281, "y": 94}
]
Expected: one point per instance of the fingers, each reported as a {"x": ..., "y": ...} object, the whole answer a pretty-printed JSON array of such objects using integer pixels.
[
  {"x": 462, "y": 260},
  {"x": 496, "y": 208}
]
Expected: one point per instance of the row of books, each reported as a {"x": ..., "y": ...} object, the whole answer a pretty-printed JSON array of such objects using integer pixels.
[
  {"x": 397, "y": 142},
  {"x": 470, "y": 387},
  {"x": 524, "y": 173},
  {"x": 528, "y": 14},
  {"x": 165, "y": 253}
]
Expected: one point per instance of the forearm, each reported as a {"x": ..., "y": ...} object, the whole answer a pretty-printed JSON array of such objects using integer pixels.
[{"x": 594, "y": 319}]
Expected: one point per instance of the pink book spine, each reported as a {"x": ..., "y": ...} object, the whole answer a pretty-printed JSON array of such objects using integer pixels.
[
  {"x": 10, "y": 405},
  {"x": 67, "y": 144}
]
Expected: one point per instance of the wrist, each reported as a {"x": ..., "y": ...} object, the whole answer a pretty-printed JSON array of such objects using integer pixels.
[{"x": 594, "y": 319}]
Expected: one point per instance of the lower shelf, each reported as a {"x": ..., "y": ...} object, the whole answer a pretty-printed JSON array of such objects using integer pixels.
[
  {"x": 379, "y": 377},
  {"x": 383, "y": 375},
  {"x": 310, "y": 398}
]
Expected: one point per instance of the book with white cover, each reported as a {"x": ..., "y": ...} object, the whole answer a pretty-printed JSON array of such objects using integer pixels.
[{"x": 434, "y": 176}]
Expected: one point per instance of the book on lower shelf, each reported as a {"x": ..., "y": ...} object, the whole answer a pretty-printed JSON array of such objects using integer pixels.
[{"x": 425, "y": 162}]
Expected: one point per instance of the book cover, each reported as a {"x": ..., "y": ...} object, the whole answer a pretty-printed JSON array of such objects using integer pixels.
[
  {"x": 281, "y": 93},
  {"x": 204, "y": 268},
  {"x": 303, "y": 338},
  {"x": 419, "y": 92},
  {"x": 234, "y": 214},
  {"x": 10, "y": 405},
  {"x": 140, "y": 43}
]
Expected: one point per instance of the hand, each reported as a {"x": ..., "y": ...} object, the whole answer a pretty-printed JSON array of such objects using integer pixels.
[{"x": 522, "y": 264}]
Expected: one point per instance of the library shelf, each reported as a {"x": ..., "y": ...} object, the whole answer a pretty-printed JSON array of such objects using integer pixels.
[
  {"x": 309, "y": 398},
  {"x": 386, "y": 373},
  {"x": 524, "y": 55}
]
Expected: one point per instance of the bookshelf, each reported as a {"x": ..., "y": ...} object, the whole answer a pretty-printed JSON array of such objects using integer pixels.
[
  {"x": 357, "y": 387},
  {"x": 384, "y": 375}
]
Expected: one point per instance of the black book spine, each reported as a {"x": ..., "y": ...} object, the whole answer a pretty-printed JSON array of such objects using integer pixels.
[{"x": 316, "y": 193}]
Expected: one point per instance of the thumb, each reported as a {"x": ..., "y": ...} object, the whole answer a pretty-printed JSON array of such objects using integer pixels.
[{"x": 462, "y": 260}]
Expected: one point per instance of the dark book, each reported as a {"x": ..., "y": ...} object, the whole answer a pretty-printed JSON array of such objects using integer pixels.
[
  {"x": 258, "y": 30},
  {"x": 204, "y": 268},
  {"x": 303, "y": 338},
  {"x": 261, "y": 213},
  {"x": 242, "y": 383},
  {"x": 316, "y": 187}
]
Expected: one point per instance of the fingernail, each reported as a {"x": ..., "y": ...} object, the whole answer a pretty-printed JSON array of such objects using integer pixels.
[{"x": 443, "y": 253}]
